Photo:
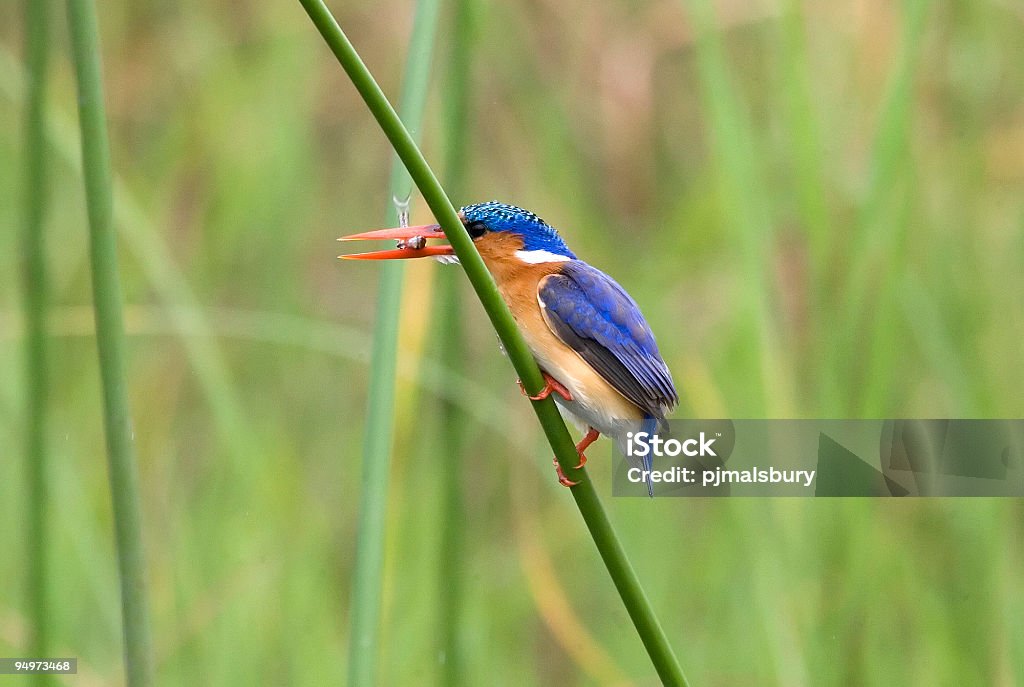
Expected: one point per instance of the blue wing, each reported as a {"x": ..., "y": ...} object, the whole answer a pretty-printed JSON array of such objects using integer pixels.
[{"x": 595, "y": 317}]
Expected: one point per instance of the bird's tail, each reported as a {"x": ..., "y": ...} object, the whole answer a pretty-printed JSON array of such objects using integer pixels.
[{"x": 649, "y": 425}]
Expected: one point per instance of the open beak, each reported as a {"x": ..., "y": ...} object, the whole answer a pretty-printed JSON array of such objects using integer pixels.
[{"x": 411, "y": 243}]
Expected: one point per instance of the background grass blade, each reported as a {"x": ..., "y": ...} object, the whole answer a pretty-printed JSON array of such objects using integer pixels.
[
  {"x": 110, "y": 342},
  {"x": 452, "y": 424},
  {"x": 883, "y": 223},
  {"x": 379, "y": 436},
  {"x": 35, "y": 305},
  {"x": 624, "y": 577},
  {"x": 745, "y": 200}
]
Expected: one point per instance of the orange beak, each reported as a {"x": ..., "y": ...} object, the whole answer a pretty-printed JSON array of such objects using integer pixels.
[{"x": 411, "y": 242}]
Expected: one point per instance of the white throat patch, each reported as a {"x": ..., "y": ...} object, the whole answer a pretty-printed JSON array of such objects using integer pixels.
[{"x": 536, "y": 257}]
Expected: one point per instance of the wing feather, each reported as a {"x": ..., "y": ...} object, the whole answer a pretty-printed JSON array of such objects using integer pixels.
[{"x": 589, "y": 312}]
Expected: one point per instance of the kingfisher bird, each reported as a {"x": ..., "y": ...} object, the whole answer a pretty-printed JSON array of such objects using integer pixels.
[{"x": 596, "y": 352}]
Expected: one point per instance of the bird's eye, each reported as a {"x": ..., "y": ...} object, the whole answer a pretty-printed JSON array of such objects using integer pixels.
[{"x": 476, "y": 229}]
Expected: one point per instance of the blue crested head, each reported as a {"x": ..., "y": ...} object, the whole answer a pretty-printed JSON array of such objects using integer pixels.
[{"x": 537, "y": 234}]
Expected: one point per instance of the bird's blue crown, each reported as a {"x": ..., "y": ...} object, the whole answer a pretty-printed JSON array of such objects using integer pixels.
[{"x": 536, "y": 233}]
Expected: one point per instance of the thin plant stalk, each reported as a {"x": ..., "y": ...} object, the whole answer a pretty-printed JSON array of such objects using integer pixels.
[
  {"x": 367, "y": 585},
  {"x": 106, "y": 287},
  {"x": 452, "y": 422},
  {"x": 621, "y": 570},
  {"x": 451, "y": 438},
  {"x": 36, "y": 300},
  {"x": 880, "y": 225}
]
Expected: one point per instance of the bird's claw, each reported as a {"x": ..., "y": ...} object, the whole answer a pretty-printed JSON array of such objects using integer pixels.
[
  {"x": 562, "y": 479},
  {"x": 551, "y": 385},
  {"x": 586, "y": 441}
]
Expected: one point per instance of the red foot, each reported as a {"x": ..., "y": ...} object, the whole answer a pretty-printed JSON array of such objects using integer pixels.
[
  {"x": 586, "y": 441},
  {"x": 590, "y": 438},
  {"x": 552, "y": 385}
]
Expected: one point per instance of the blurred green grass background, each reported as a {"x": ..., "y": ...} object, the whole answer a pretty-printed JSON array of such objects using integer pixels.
[{"x": 819, "y": 206}]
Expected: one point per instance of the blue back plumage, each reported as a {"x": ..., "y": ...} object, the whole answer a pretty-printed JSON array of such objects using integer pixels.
[
  {"x": 621, "y": 321},
  {"x": 537, "y": 234},
  {"x": 595, "y": 316}
]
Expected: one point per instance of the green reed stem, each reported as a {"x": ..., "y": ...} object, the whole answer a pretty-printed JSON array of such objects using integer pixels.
[
  {"x": 368, "y": 576},
  {"x": 611, "y": 551},
  {"x": 450, "y": 339},
  {"x": 36, "y": 300},
  {"x": 107, "y": 298},
  {"x": 451, "y": 441}
]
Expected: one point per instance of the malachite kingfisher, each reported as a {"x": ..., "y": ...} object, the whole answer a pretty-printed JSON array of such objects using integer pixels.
[{"x": 596, "y": 351}]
